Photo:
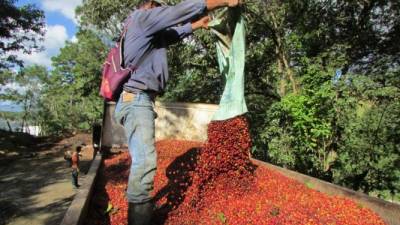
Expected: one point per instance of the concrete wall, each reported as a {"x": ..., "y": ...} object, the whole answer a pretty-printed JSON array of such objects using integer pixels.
[{"x": 185, "y": 121}]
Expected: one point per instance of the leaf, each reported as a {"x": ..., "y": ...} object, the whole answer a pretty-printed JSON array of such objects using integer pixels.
[
  {"x": 109, "y": 208},
  {"x": 221, "y": 217}
]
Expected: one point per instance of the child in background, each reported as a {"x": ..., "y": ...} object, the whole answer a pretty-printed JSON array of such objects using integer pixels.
[{"x": 75, "y": 165}]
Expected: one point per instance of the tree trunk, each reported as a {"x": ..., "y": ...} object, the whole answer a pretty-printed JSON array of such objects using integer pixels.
[
  {"x": 289, "y": 73},
  {"x": 282, "y": 59},
  {"x": 282, "y": 84},
  {"x": 9, "y": 126},
  {"x": 25, "y": 112}
]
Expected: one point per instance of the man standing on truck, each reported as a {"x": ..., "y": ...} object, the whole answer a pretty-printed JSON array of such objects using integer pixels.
[{"x": 151, "y": 28}]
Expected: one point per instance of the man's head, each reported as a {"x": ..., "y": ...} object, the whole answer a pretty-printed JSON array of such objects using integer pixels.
[
  {"x": 148, "y": 4},
  {"x": 78, "y": 146},
  {"x": 78, "y": 149}
]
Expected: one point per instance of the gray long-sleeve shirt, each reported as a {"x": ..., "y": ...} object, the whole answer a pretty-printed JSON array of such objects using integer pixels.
[{"x": 149, "y": 33}]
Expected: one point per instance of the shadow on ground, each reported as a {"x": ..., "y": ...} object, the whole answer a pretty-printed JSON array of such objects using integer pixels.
[
  {"x": 31, "y": 188},
  {"x": 36, "y": 190}
]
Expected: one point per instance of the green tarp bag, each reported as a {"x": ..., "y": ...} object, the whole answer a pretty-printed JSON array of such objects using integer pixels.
[{"x": 229, "y": 27}]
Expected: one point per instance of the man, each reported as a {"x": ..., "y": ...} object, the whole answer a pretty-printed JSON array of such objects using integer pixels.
[
  {"x": 75, "y": 165},
  {"x": 151, "y": 28}
]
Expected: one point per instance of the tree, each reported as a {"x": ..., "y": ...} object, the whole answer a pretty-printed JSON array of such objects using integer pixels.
[
  {"x": 70, "y": 99},
  {"x": 20, "y": 30},
  {"x": 31, "y": 79},
  {"x": 105, "y": 16},
  {"x": 28, "y": 83},
  {"x": 336, "y": 127}
]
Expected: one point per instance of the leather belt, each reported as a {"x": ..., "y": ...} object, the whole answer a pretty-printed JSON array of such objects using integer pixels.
[{"x": 129, "y": 96}]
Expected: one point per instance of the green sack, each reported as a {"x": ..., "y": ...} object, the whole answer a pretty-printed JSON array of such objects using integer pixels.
[{"x": 229, "y": 26}]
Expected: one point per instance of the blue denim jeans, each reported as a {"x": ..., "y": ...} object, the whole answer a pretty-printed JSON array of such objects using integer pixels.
[
  {"x": 137, "y": 117},
  {"x": 75, "y": 177}
]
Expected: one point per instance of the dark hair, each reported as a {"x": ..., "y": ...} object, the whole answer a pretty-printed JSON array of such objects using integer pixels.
[
  {"x": 143, "y": 2},
  {"x": 78, "y": 148}
]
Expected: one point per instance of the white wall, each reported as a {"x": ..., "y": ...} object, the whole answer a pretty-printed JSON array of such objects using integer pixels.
[{"x": 184, "y": 121}]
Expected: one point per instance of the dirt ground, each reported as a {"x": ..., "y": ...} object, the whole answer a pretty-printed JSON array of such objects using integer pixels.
[{"x": 35, "y": 180}]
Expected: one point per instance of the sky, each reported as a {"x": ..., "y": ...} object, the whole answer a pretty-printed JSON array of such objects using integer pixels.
[{"x": 61, "y": 26}]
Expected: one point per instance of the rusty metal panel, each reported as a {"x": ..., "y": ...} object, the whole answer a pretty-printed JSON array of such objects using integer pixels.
[{"x": 112, "y": 134}]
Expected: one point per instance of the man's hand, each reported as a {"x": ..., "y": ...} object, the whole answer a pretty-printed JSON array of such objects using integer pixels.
[
  {"x": 201, "y": 23},
  {"x": 214, "y": 4},
  {"x": 234, "y": 3}
]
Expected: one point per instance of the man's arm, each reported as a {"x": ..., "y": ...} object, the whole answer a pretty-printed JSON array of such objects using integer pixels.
[
  {"x": 160, "y": 18},
  {"x": 175, "y": 34},
  {"x": 201, "y": 23},
  {"x": 214, "y": 4}
]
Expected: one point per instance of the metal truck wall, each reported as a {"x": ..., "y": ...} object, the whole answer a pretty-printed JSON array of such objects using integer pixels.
[
  {"x": 112, "y": 134},
  {"x": 184, "y": 121}
]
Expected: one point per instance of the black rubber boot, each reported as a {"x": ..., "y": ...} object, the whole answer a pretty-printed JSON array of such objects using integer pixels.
[{"x": 140, "y": 213}]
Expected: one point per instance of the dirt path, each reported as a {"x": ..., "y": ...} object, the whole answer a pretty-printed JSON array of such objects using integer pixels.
[{"x": 38, "y": 190}]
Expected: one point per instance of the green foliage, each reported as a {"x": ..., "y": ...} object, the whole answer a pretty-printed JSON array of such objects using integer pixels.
[
  {"x": 100, "y": 13},
  {"x": 299, "y": 129},
  {"x": 345, "y": 133},
  {"x": 368, "y": 148},
  {"x": 221, "y": 217},
  {"x": 70, "y": 100},
  {"x": 28, "y": 82},
  {"x": 194, "y": 71},
  {"x": 342, "y": 132},
  {"x": 11, "y": 116},
  {"x": 21, "y": 28}
]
